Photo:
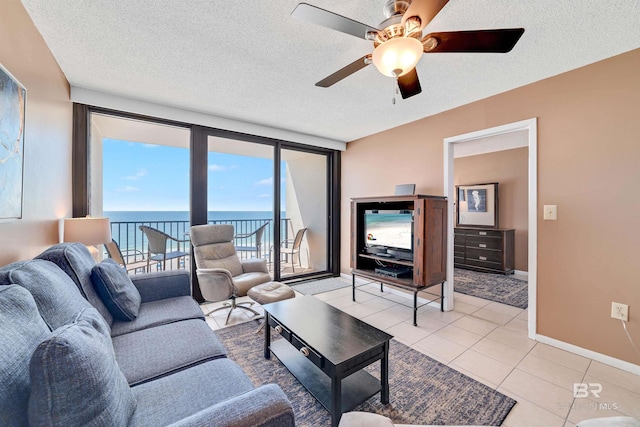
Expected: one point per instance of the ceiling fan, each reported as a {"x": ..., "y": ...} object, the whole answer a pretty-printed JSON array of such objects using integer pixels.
[{"x": 398, "y": 42}]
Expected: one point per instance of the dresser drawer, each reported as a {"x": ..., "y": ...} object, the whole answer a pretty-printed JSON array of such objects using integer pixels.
[
  {"x": 458, "y": 239},
  {"x": 483, "y": 233},
  {"x": 484, "y": 242},
  {"x": 489, "y": 265},
  {"x": 307, "y": 351},
  {"x": 484, "y": 255},
  {"x": 286, "y": 333}
]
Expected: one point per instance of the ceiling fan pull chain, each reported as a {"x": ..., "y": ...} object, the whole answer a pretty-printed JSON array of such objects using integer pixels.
[
  {"x": 395, "y": 86},
  {"x": 393, "y": 97}
]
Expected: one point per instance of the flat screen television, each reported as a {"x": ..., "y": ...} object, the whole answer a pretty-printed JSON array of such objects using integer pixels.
[{"x": 389, "y": 229}]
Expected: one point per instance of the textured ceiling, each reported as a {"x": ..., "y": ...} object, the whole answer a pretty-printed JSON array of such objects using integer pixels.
[{"x": 251, "y": 61}]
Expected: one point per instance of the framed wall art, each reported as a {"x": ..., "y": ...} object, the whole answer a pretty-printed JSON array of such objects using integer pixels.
[
  {"x": 477, "y": 205},
  {"x": 13, "y": 100}
]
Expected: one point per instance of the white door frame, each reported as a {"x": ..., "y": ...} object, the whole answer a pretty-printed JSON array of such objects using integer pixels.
[{"x": 529, "y": 125}]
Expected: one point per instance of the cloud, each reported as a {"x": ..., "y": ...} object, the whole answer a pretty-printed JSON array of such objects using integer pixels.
[
  {"x": 127, "y": 189},
  {"x": 266, "y": 181},
  {"x": 221, "y": 168},
  {"x": 137, "y": 176},
  {"x": 264, "y": 196}
]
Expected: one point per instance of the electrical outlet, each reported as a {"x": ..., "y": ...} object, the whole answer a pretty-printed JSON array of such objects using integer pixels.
[{"x": 620, "y": 311}]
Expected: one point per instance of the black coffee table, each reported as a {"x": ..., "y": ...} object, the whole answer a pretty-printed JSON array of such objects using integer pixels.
[{"x": 326, "y": 350}]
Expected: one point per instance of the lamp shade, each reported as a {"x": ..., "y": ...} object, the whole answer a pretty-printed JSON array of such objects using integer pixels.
[
  {"x": 90, "y": 231},
  {"x": 399, "y": 55}
]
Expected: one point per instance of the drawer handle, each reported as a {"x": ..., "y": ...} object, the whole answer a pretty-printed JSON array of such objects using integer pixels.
[
  {"x": 482, "y": 245},
  {"x": 278, "y": 329},
  {"x": 482, "y": 258},
  {"x": 304, "y": 351},
  {"x": 482, "y": 233}
]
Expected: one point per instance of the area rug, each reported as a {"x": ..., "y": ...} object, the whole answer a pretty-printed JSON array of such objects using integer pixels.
[
  {"x": 319, "y": 286},
  {"x": 493, "y": 287},
  {"x": 422, "y": 390}
]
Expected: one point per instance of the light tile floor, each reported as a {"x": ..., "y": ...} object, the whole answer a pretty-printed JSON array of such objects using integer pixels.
[{"x": 488, "y": 342}]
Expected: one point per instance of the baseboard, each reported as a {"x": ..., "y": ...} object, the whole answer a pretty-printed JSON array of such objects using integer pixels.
[
  {"x": 390, "y": 289},
  {"x": 599, "y": 357},
  {"x": 521, "y": 273}
]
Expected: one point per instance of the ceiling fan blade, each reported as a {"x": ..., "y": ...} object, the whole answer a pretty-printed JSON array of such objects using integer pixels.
[
  {"x": 334, "y": 78},
  {"x": 409, "y": 84},
  {"x": 315, "y": 15},
  {"x": 490, "y": 41},
  {"x": 426, "y": 10}
]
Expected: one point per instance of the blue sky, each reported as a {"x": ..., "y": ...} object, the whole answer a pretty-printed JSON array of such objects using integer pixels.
[{"x": 145, "y": 177}]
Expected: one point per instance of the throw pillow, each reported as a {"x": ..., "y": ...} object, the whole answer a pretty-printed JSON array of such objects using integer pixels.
[
  {"x": 22, "y": 330},
  {"x": 58, "y": 299},
  {"x": 116, "y": 290},
  {"x": 75, "y": 379}
]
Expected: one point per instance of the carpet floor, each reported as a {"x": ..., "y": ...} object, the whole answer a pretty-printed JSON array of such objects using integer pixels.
[
  {"x": 319, "y": 286},
  {"x": 422, "y": 390},
  {"x": 493, "y": 287}
]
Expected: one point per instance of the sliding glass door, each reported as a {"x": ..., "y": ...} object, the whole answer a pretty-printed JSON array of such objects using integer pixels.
[
  {"x": 169, "y": 175},
  {"x": 304, "y": 197}
]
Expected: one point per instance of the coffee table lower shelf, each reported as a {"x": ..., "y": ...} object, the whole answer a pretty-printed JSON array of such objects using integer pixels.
[{"x": 356, "y": 388}]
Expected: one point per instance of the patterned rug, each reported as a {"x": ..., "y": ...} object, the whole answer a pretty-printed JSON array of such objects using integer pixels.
[
  {"x": 422, "y": 390},
  {"x": 319, "y": 286},
  {"x": 493, "y": 287}
]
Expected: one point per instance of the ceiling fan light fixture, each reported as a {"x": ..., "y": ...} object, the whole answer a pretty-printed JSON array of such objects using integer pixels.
[{"x": 400, "y": 53}]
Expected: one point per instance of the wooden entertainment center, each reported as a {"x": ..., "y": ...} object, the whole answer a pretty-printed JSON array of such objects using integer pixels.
[{"x": 426, "y": 262}]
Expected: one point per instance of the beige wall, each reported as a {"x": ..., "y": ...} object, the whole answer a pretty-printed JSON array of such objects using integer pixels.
[
  {"x": 509, "y": 168},
  {"x": 588, "y": 156},
  {"x": 47, "y": 154}
]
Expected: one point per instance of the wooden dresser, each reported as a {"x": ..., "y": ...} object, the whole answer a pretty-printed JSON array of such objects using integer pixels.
[{"x": 484, "y": 249}]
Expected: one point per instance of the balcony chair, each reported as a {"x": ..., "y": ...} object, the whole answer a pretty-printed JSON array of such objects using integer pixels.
[
  {"x": 221, "y": 274},
  {"x": 257, "y": 247},
  {"x": 157, "y": 247},
  {"x": 294, "y": 248},
  {"x": 131, "y": 259}
]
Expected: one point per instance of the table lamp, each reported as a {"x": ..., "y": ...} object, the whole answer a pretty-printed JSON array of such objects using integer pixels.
[{"x": 89, "y": 231}]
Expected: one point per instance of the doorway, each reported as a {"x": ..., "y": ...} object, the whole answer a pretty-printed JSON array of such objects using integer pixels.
[{"x": 530, "y": 126}]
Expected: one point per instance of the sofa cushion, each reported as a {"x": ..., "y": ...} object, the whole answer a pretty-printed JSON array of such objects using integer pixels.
[
  {"x": 116, "y": 290},
  {"x": 75, "y": 260},
  {"x": 161, "y": 312},
  {"x": 155, "y": 352},
  {"x": 22, "y": 330},
  {"x": 188, "y": 391},
  {"x": 59, "y": 301},
  {"x": 75, "y": 379}
]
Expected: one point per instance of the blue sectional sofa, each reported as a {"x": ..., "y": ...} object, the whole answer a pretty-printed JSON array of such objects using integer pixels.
[{"x": 66, "y": 359}]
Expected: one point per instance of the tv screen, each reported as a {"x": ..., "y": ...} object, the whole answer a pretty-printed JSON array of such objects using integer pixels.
[{"x": 389, "y": 228}]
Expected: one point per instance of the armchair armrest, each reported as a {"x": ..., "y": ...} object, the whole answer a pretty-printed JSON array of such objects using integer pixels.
[
  {"x": 265, "y": 406},
  {"x": 254, "y": 265},
  {"x": 162, "y": 285},
  {"x": 216, "y": 284}
]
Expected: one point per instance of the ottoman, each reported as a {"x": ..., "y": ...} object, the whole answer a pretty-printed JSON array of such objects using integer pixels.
[{"x": 270, "y": 292}]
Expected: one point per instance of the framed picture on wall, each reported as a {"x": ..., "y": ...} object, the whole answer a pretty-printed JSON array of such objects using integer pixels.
[
  {"x": 477, "y": 205},
  {"x": 13, "y": 98}
]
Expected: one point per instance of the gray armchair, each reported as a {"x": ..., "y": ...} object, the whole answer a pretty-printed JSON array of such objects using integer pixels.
[{"x": 221, "y": 274}]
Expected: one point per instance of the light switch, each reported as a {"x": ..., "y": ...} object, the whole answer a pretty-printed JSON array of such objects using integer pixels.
[{"x": 551, "y": 212}]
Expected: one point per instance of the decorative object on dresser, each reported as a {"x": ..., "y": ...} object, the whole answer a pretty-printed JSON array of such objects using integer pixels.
[
  {"x": 400, "y": 241},
  {"x": 484, "y": 249},
  {"x": 477, "y": 205}
]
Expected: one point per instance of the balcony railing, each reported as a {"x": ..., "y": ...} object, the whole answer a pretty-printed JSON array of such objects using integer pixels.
[{"x": 133, "y": 243}]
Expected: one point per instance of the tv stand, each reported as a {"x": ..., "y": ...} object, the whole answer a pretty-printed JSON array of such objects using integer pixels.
[{"x": 427, "y": 264}]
